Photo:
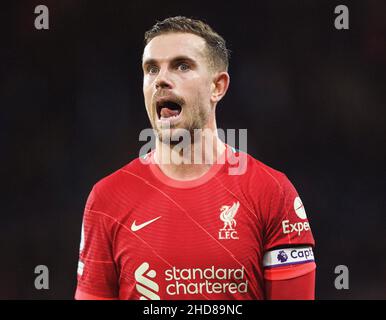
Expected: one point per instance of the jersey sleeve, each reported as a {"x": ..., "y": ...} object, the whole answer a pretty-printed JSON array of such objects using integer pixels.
[
  {"x": 288, "y": 241},
  {"x": 97, "y": 276},
  {"x": 299, "y": 288}
]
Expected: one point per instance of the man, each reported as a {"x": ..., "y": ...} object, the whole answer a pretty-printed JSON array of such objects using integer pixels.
[{"x": 167, "y": 227}]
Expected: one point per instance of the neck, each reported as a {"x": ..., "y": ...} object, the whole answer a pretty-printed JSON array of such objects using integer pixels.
[{"x": 189, "y": 161}]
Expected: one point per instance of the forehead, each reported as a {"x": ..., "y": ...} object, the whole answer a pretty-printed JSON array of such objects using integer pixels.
[{"x": 167, "y": 46}]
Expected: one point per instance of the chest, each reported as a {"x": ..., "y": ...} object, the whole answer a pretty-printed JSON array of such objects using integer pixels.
[
  {"x": 183, "y": 229},
  {"x": 202, "y": 240}
]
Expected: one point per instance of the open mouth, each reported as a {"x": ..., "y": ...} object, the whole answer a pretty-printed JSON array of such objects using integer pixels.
[{"x": 168, "y": 109}]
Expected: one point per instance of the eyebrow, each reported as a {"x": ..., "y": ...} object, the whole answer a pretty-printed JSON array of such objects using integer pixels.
[{"x": 174, "y": 60}]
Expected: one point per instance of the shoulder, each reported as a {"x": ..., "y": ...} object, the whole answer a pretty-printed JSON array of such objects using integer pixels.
[
  {"x": 117, "y": 193},
  {"x": 127, "y": 177},
  {"x": 266, "y": 176}
]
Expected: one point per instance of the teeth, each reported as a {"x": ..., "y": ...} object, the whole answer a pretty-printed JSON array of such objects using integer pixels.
[{"x": 169, "y": 118}]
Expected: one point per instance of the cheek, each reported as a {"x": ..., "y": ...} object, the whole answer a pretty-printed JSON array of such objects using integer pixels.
[
  {"x": 203, "y": 97},
  {"x": 199, "y": 91},
  {"x": 147, "y": 85},
  {"x": 147, "y": 94}
]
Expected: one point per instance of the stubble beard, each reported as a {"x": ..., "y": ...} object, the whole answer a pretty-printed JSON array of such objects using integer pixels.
[{"x": 176, "y": 134}]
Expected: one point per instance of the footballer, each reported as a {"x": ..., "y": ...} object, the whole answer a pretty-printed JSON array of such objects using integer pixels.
[{"x": 165, "y": 230}]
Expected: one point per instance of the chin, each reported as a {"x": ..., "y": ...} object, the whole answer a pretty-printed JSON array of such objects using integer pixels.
[{"x": 174, "y": 136}]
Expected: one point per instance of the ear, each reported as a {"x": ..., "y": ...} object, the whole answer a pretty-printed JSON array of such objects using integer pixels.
[{"x": 220, "y": 86}]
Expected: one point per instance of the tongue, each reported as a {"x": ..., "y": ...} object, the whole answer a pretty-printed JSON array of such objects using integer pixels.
[{"x": 167, "y": 113}]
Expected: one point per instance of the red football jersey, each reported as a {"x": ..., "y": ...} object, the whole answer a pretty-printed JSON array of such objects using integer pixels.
[{"x": 146, "y": 236}]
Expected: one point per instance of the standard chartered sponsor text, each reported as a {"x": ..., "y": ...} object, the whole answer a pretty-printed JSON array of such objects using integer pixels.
[{"x": 210, "y": 280}]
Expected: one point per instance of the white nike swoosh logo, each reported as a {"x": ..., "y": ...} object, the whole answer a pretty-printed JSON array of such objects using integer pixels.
[{"x": 135, "y": 227}]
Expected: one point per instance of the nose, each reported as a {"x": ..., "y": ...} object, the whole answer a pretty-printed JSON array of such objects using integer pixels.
[{"x": 163, "y": 81}]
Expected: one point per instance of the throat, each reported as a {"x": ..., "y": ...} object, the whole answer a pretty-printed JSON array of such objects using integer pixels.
[{"x": 184, "y": 172}]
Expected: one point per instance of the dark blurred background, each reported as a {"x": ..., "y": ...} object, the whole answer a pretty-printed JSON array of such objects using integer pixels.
[{"x": 313, "y": 99}]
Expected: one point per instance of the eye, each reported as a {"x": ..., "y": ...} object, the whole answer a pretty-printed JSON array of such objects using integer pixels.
[
  {"x": 183, "y": 67},
  {"x": 152, "y": 69}
]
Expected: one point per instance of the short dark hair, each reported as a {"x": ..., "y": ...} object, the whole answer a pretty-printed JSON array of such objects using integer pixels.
[{"x": 218, "y": 53}]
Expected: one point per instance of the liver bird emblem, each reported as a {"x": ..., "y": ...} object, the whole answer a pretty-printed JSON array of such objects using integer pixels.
[{"x": 228, "y": 215}]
